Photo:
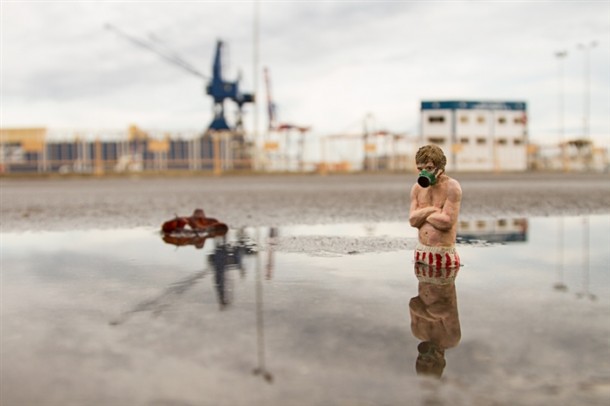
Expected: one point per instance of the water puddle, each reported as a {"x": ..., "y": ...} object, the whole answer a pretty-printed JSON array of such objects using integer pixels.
[{"x": 314, "y": 314}]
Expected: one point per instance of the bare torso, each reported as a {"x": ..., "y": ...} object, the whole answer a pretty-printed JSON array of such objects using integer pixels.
[{"x": 434, "y": 211}]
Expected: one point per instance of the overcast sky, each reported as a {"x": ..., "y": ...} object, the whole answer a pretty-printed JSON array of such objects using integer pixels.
[{"x": 332, "y": 62}]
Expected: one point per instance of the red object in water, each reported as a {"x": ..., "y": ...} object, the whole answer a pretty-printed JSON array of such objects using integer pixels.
[
  {"x": 173, "y": 225},
  {"x": 198, "y": 221},
  {"x": 199, "y": 228}
]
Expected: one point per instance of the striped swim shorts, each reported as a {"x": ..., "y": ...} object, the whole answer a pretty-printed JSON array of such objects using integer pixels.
[
  {"x": 438, "y": 257},
  {"x": 434, "y": 275}
]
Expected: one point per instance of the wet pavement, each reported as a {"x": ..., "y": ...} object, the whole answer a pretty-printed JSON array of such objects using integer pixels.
[
  {"x": 263, "y": 201},
  {"x": 307, "y": 315}
]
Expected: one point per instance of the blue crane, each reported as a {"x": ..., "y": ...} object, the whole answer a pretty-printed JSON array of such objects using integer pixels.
[
  {"x": 217, "y": 87},
  {"x": 220, "y": 90}
]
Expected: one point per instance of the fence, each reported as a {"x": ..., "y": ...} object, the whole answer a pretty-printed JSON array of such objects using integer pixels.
[{"x": 215, "y": 152}]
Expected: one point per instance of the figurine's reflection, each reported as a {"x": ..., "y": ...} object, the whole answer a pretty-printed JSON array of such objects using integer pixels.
[{"x": 434, "y": 317}]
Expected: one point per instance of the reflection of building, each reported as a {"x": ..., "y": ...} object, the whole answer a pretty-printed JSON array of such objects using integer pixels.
[
  {"x": 477, "y": 135},
  {"x": 493, "y": 230},
  {"x": 30, "y": 150}
]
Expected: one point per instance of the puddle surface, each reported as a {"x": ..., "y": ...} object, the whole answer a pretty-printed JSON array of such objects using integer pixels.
[{"x": 316, "y": 315}]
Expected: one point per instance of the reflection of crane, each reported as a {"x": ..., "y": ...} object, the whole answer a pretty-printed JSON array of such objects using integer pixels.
[
  {"x": 218, "y": 88},
  {"x": 284, "y": 128}
]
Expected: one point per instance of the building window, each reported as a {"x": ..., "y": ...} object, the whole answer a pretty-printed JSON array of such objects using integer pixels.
[
  {"x": 464, "y": 140},
  {"x": 520, "y": 120},
  {"x": 436, "y": 119},
  {"x": 502, "y": 120},
  {"x": 518, "y": 141},
  {"x": 464, "y": 119},
  {"x": 436, "y": 140},
  {"x": 502, "y": 223},
  {"x": 481, "y": 119},
  {"x": 502, "y": 141},
  {"x": 481, "y": 141}
]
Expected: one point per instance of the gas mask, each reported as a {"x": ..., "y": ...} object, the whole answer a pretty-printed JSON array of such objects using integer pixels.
[{"x": 426, "y": 179}]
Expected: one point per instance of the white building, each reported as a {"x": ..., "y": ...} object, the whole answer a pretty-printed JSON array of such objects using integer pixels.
[{"x": 477, "y": 135}]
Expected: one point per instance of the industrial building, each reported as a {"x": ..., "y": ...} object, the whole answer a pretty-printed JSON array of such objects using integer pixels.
[
  {"x": 477, "y": 135},
  {"x": 27, "y": 150}
]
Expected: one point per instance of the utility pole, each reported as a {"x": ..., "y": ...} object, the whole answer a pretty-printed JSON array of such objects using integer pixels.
[
  {"x": 587, "y": 95},
  {"x": 560, "y": 55},
  {"x": 587, "y": 79},
  {"x": 255, "y": 52}
]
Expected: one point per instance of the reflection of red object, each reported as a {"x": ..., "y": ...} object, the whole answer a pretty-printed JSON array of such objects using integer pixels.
[
  {"x": 200, "y": 227},
  {"x": 180, "y": 240}
]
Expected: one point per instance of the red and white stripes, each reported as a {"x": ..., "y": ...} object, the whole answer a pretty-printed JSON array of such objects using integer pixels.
[
  {"x": 434, "y": 275},
  {"x": 438, "y": 257}
]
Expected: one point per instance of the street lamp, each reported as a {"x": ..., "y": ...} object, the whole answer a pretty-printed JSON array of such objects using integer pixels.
[
  {"x": 560, "y": 55},
  {"x": 587, "y": 51}
]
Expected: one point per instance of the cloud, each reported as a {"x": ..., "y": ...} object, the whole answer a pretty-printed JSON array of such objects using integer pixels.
[{"x": 331, "y": 63}]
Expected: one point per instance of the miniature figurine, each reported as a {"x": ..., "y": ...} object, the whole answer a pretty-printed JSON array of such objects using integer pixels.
[
  {"x": 434, "y": 320},
  {"x": 435, "y": 206}
]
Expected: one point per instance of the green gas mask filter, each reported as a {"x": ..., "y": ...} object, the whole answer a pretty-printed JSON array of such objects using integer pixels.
[{"x": 426, "y": 178}]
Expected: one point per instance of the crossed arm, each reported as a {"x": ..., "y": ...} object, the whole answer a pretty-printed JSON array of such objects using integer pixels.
[
  {"x": 417, "y": 217},
  {"x": 440, "y": 218}
]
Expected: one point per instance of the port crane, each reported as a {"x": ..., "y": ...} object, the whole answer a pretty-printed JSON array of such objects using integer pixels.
[
  {"x": 217, "y": 87},
  {"x": 284, "y": 128}
]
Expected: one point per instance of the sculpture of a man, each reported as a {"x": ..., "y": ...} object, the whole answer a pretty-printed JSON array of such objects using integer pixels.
[{"x": 435, "y": 206}]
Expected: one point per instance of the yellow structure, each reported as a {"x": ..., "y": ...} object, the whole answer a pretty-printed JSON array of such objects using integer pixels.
[
  {"x": 158, "y": 145},
  {"x": 29, "y": 139},
  {"x": 136, "y": 134}
]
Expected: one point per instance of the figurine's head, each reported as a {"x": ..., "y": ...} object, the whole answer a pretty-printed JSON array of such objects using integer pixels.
[
  {"x": 430, "y": 359},
  {"x": 430, "y": 161}
]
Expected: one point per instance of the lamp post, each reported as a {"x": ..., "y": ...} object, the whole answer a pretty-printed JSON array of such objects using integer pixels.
[
  {"x": 587, "y": 52},
  {"x": 588, "y": 152},
  {"x": 257, "y": 144},
  {"x": 560, "y": 55}
]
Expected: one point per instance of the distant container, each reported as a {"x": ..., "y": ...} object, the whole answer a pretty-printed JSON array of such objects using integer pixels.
[{"x": 477, "y": 135}]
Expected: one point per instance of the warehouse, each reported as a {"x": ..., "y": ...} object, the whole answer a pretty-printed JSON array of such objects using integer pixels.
[
  {"x": 27, "y": 150},
  {"x": 477, "y": 135}
]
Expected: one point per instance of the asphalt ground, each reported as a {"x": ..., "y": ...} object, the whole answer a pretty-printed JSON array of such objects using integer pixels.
[
  {"x": 123, "y": 319},
  {"x": 58, "y": 203}
]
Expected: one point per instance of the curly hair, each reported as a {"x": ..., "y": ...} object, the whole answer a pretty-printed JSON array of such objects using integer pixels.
[{"x": 431, "y": 153}]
